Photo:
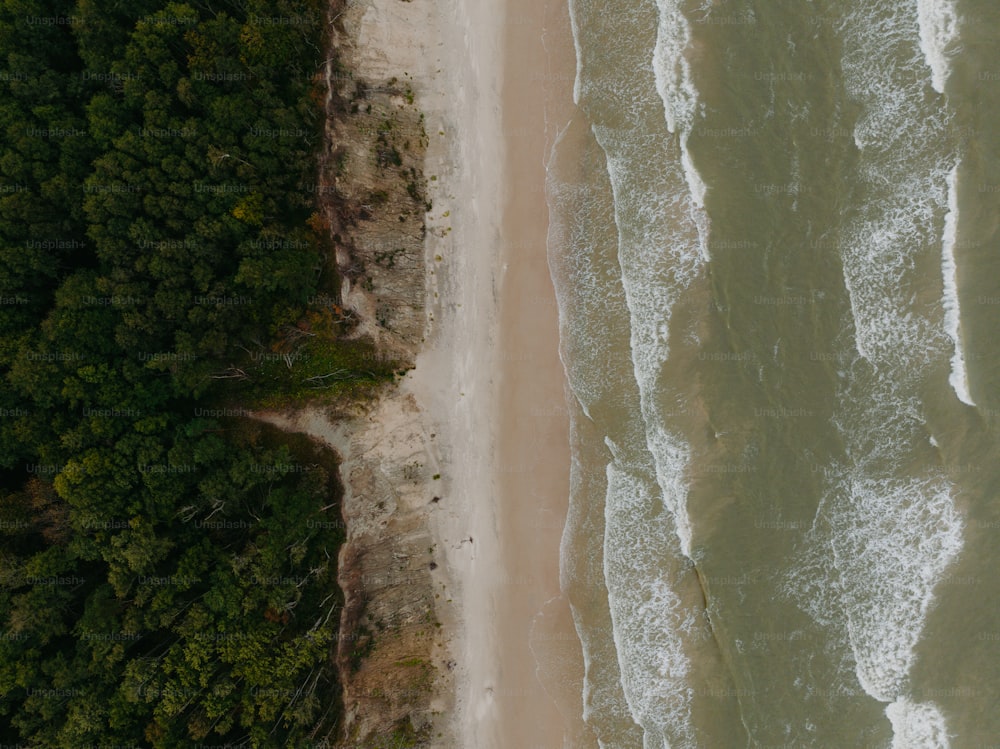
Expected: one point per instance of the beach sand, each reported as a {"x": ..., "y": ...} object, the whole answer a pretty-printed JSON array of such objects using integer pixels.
[
  {"x": 483, "y": 411},
  {"x": 494, "y": 340},
  {"x": 540, "y": 680}
]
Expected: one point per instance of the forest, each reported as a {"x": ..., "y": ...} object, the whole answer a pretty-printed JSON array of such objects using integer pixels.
[{"x": 167, "y": 565}]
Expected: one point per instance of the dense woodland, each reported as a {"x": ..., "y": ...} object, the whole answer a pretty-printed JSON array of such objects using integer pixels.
[{"x": 167, "y": 569}]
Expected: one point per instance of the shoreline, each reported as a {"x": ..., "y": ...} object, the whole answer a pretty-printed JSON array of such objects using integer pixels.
[
  {"x": 493, "y": 340},
  {"x": 485, "y": 407},
  {"x": 540, "y": 683}
]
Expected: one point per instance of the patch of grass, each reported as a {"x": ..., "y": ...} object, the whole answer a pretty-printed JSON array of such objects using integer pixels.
[
  {"x": 317, "y": 367},
  {"x": 412, "y": 662}
]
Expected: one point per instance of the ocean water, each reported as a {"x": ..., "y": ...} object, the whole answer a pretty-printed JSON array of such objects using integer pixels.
[{"x": 774, "y": 241}]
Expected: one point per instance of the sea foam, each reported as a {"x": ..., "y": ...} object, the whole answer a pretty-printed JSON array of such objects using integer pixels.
[
  {"x": 672, "y": 68},
  {"x": 679, "y": 95},
  {"x": 959, "y": 378},
  {"x": 594, "y": 331},
  {"x": 917, "y": 725},
  {"x": 939, "y": 30},
  {"x": 658, "y": 252},
  {"x": 647, "y": 614},
  {"x": 892, "y": 539},
  {"x": 647, "y": 621}
]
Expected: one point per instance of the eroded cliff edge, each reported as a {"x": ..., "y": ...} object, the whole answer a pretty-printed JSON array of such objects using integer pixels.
[{"x": 393, "y": 652}]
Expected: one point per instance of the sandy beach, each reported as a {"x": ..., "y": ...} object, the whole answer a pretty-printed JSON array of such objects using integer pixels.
[
  {"x": 480, "y": 420},
  {"x": 495, "y": 338},
  {"x": 539, "y": 695}
]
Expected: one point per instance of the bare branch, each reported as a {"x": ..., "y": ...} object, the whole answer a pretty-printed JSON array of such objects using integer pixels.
[{"x": 230, "y": 373}]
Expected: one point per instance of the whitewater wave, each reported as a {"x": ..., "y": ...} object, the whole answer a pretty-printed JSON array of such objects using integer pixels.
[
  {"x": 661, "y": 233},
  {"x": 676, "y": 88},
  {"x": 594, "y": 330},
  {"x": 891, "y": 540},
  {"x": 939, "y": 30},
  {"x": 883, "y": 536},
  {"x": 647, "y": 620},
  {"x": 648, "y": 615},
  {"x": 659, "y": 257},
  {"x": 959, "y": 377},
  {"x": 917, "y": 724}
]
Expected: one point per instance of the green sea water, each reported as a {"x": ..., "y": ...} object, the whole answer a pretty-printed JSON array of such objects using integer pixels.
[{"x": 774, "y": 243}]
